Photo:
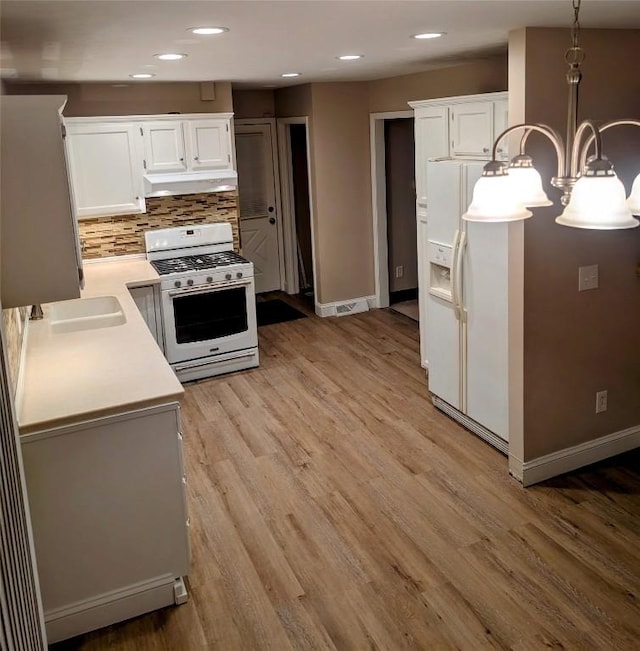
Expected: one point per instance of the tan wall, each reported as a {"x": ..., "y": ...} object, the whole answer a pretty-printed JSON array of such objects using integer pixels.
[
  {"x": 484, "y": 76},
  {"x": 293, "y": 102},
  {"x": 577, "y": 343},
  {"x": 342, "y": 186},
  {"x": 254, "y": 103},
  {"x": 96, "y": 99}
]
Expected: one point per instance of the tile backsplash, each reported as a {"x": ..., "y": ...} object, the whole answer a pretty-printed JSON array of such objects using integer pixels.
[
  {"x": 14, "y": 324},
  {"x": 124, "y": 234}
]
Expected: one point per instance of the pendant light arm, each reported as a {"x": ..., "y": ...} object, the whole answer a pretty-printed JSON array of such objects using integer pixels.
[
  {"x": 607, "y": 125},
  {"x": 575, "y": 154},
  {"x": 550, "y": 133}
]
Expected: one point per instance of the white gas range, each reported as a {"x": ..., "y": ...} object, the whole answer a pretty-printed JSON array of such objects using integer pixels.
[{"x": 208, "y": 300}]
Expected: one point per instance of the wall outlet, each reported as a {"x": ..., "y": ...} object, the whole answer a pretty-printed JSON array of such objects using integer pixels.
[
  {"x": 601, "y": 402},
  {"x": 588, "y": 277},
  {"x": 399, "y": 271}
]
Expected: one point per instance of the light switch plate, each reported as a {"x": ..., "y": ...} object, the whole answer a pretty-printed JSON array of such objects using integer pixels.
[{"x": 588, "y": 277}]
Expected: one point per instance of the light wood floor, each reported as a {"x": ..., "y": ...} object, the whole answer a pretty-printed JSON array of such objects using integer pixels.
[{"x": 333, "y": 507}]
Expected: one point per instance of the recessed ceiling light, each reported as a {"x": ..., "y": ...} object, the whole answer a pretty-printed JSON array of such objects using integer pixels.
[
  {"x": 206, "y": 31},
  {"x": 426, "y": 35},
  {"x": 290, "y": 74},
  {"x": 142, "y": 75},
  {"x": 170, "y": 56},
  {"x": 350, "y": 57}
]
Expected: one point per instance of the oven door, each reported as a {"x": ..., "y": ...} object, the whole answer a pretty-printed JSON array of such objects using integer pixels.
[{"x": 210, "y": 320}]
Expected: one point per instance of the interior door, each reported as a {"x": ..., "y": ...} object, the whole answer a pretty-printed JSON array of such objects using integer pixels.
[{"x": 258, "y": 211}]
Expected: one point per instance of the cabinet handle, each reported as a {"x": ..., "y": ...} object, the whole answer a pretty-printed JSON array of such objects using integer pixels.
[
  {"x": 137, "y": 198},
  {"x": 195, "y": 158},
  {"x": 182, "y": 160},
  {"x": 485, "y": 150}
]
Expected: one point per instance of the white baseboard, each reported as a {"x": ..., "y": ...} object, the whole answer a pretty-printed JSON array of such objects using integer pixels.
[
  {"x": 342, "y": 308},
  {"x": 577, "y": 456}
]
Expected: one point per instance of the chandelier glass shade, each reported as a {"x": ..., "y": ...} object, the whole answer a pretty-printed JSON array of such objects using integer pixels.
[{"x": 593, "y": 196}]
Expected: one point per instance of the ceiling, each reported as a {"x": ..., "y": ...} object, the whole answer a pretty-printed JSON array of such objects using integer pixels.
[{"x": 107, "y": 40}]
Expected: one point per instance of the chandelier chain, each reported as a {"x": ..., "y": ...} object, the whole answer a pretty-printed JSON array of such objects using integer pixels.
[{"x": 575, "y": 29}]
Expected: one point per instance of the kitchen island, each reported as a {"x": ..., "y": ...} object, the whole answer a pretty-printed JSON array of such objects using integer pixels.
[{"x": 98, "y": 413}]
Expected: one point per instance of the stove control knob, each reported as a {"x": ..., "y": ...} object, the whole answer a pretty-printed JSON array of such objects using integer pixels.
[
  {"x": 228, "y": 276},
  {"x": 209, "y": 279},
  {"x": 177, "y": 283},
  {"x": 239, "y": 274},
  {"x": 190, "y": 282}
]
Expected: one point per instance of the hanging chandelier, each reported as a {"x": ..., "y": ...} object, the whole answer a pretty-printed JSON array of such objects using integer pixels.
[{"x": 593, "y": 195}]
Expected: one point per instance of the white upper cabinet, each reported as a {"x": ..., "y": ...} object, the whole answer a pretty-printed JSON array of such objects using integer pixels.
[
  {"x": 106, "y": 167},
  {"x": 432, "y": 141},
  {"x": 500, "y": 123},
  {"x": 164, "y": 146},
  {"x": 110, "y": 156},
  {"x": 472, "y": 129},
  {"x": 209, "y": 144}
]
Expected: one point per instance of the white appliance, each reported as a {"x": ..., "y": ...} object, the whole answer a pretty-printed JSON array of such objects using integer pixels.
[
  {"x": 162, "y": 185},
  {"x": 467, "y": 305},
  {"x": 208, "y": 300}
]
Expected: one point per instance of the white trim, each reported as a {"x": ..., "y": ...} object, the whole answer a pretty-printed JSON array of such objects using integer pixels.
[
  {"x": 171, "y": 117},
  {"x": 271, "y": 123},
  {"x": 379, "y": 203},
  {"x": 343, "y": 308},
  {"x": 459, "y": 99},
  {"x": 291, "y": 282},
  {"x": 572, "y": 458}
]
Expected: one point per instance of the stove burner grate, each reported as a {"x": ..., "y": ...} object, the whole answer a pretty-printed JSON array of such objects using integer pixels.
[{"x": 188, "y": 263}]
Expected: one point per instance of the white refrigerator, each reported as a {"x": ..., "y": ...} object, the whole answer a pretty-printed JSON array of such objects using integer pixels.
[{"x": 467, "y": 305}]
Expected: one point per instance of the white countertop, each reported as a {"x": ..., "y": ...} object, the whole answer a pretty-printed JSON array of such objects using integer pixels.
[{"x": 74, "y": 376}]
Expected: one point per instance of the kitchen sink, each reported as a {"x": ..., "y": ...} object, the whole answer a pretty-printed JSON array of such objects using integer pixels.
[{"x": 86, "y": 314}]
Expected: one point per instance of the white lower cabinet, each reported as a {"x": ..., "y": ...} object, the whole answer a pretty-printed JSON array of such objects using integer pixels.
[
  {"x": 147, "y": 299},
  {"x": 109, "y": 518}
]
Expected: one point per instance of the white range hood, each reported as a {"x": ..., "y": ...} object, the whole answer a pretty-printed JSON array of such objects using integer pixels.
[{"x": 162, "y": 185}]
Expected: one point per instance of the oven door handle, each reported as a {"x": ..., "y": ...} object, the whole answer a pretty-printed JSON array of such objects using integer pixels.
[{"x": 203, "y": 289}]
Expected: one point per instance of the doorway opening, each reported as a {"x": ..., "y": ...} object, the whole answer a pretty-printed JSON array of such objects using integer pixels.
[
  {"x": 402, "y": 246},
  {"x": 393, "y": 198},
  {"x": 293, "y": 140}
]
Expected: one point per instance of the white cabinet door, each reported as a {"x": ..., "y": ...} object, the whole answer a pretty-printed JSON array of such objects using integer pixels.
[
  {"x": 106, "y": 168},
  {"x": 109, "y": 517},
  {"x": 472, "y": 129},
  {"x": 432, "y": 141},
  {"x": 145, "y": 299},
  {"x": 500, "y": 123},
  {"x": 164, "y": 146},
  {"x": 423, "y": 282},
  {"x": 209, "y": 144}
]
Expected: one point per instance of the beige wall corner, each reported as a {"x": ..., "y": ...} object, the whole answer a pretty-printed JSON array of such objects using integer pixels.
[
  {"x": 578, "y": 343},
  {"x": 482, "y": 76},
  {"x": 342, "y": 188},
  {"x": 136, "y": 98},
  {"x": 293, "y": 102},
  {"x": 254, "y": 103}
]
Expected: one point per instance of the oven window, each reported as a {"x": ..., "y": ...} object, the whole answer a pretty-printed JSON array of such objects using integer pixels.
[{"x": 201, "y": 317}]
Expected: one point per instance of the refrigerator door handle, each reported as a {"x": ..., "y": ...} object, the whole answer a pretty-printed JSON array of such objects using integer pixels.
[
  {"x": 454, "y": 280},
  {"x": 462, "y": 243}
]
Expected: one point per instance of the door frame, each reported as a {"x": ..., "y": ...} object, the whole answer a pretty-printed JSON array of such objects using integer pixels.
[
  {"x": 271, "y": 123},
  {"x": 292, "y": 284},
  {"x": 379, "y": 202}
]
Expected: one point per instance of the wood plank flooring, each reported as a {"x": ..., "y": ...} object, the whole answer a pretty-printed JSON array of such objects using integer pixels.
[{"x": 332, "y": 507}]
